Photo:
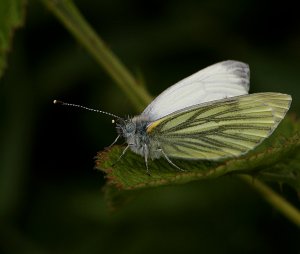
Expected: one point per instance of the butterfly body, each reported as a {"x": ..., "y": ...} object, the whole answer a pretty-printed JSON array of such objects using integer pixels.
[
  {"x": 213, "y": 130},
  {"x": 134, "y": 131}
]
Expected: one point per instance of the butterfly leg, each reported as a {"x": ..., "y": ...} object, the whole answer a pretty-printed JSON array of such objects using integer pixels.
[
  {"x": 124, "y": 151},
  {"x": 113, "y": 142},
  {"x": 146, "y": 162},
  {"x": 146, "y": 152},
  {"x": 168, "y": 159}
]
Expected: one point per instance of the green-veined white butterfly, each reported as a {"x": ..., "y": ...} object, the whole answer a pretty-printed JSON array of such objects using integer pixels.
[{"x": 206, "y": 116}]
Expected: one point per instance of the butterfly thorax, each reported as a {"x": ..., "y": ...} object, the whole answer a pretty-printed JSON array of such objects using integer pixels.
[{"x": 134, "y": 130}]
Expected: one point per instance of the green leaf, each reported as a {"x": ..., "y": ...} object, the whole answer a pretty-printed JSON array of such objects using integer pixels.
[
  {"x": 11, "y": 17},
  {"x": 276, "y": 159}
]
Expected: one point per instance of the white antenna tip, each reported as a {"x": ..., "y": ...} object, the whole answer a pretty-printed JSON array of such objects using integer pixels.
[{"x": 57, "y": 102}]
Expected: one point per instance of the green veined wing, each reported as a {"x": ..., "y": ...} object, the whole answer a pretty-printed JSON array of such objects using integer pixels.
[{"x": 220, "y": 129}]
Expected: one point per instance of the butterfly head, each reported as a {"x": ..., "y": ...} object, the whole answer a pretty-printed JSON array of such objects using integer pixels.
[{"x": 126, "y": 128}]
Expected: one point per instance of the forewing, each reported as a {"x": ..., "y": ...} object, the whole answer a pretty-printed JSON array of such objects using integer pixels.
[
  {"x": 220, "y": 129},
  {"x": 218, "y": 81}
]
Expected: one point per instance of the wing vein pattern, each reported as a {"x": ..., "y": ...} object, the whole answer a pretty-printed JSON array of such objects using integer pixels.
[{"x": 220, "y": 129}]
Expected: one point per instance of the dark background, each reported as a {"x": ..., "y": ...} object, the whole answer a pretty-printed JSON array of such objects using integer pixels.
[{"x": 51, "y": 198}]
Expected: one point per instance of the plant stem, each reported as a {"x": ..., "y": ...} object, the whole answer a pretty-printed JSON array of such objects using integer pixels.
[
  {"x": 274, "y": 199},
  {"x": 69, "y": 15}
]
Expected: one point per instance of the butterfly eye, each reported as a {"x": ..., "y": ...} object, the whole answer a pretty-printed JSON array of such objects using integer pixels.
[{"x": 130, "y": 127}]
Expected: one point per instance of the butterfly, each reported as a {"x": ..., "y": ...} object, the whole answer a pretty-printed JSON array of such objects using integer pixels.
[{"x": 206, "y": 116}]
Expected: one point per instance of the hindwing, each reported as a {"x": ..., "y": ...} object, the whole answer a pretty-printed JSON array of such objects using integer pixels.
[{"x": 220, "y": 129}]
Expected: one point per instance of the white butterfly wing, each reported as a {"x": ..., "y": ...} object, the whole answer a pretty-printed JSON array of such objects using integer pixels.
[{"x": 218, "y": 81}]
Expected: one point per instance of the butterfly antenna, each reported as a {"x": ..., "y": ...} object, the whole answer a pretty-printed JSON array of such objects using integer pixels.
[{"x": 90, "y": 109}]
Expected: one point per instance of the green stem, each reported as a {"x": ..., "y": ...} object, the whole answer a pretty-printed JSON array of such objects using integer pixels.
[
  {"x": 274, "y": 199},
  {"x": 69, "y": 15}
]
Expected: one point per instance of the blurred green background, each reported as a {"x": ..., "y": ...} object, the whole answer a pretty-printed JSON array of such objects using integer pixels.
[{"x": 51, "y": 198}]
